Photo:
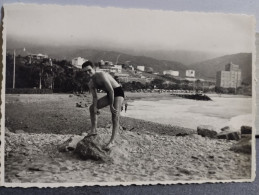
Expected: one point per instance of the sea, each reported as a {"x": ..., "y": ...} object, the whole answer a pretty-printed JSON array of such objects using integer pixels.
[{"x": 224, "y": 110}]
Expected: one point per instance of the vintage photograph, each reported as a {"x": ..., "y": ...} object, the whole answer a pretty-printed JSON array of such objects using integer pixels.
[{"x": 110, "y": 96}]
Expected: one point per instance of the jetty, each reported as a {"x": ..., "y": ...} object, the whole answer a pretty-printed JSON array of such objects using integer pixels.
[{"x": 193, "y": 96}]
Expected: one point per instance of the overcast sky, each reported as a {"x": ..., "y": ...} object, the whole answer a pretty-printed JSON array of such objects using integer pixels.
[{"x": 130, "y": 28}]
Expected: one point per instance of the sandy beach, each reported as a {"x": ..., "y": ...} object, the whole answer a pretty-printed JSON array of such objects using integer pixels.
[{"x": 145, "y": 151}]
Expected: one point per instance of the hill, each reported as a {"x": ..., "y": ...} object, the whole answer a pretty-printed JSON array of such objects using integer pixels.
[
  {"x": 96, "y": 55},
  {"x": 209, "y": 68}
]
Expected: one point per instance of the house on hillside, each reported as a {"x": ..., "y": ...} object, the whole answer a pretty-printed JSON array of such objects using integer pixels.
[
  {"x": 108, "y": 63},
  {"x": 78, "y": 61},
  {"x": 171, "y": 72},
  {"x": 123, "y": 78},
  {"x": 190, "y": 73},
  {"x": 38, "y": 56},
  {"x": 141, "y": 68}
]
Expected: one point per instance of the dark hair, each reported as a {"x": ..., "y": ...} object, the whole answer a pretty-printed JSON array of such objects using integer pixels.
[{"x": 87, "y": 63}]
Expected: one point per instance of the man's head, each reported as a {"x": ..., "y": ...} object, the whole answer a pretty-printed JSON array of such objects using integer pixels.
[{"x": 88, "y": 68}]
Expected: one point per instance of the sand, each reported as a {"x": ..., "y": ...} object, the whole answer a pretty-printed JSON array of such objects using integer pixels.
[{"x": 152, "y": 152}]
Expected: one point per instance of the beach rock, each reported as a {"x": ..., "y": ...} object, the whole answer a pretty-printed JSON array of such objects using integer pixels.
[
  {"x": 246, "y": 130},
  {"x": 244, "y": 136},
  {"x": 243, "y": 146},
  {"x": 91, "y": 148},
  {"x": 207, "y": 131},
  {"x": 229, "y": 135}
]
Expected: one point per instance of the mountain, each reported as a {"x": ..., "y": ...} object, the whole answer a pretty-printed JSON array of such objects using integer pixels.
[
  {"x": 209, "y": 68},
  {"x": 184, "y": 56},
  {"x": 95, "y": 55}
]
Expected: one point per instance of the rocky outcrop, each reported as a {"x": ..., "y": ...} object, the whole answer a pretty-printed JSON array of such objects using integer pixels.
[
  {"x": 91, "y": 147},
  {"x": 229, "y": 135},
  {"x": 246, "y": 132},
  {"x": 207, "y": 131}
]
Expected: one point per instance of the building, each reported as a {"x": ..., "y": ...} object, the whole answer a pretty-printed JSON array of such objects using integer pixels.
[
  {"x": 230, "y": 77},
  {"x": 141, "y": 68},
  {"x": 78, "y": 61},
  {"x": 123, "y": 78},
  {"x": 108, "y": 63},
  {"x": 38, "y": 56},
  {"x": 118, "y": 68},
  {"x": 171, "y": 72},
  {"x": 190, "y": 73}
]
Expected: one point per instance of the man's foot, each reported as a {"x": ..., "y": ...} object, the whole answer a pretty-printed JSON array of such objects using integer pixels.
[
  {"x": 85, "y": 134},
  {"x": 109, "y": 146}
]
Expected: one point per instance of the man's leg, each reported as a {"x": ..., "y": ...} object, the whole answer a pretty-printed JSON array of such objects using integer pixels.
[
  {"x": 115, "y": 120},
  {"x": 102, "y": 102}
]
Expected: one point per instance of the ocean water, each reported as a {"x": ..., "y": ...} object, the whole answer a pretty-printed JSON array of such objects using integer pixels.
[{"x": 221, "y": 112}]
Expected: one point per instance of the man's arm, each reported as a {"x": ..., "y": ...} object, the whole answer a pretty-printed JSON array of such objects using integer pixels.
[
  {"x": 110, "y": 91},
  {"x": 94, "y": 94}
]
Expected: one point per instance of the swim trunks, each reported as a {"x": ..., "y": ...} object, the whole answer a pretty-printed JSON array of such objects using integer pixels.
[{"x": 118, "y": 91}]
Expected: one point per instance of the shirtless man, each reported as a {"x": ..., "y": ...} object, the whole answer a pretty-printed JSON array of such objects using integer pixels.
[{"x": 114, "y": 98}]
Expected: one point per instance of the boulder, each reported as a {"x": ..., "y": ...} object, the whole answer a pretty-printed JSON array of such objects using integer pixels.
[
  {"x": 229, "y": 135},
  {"x": 244, "y": 136},
  {"x": 91, "y": 147},
  {"x": 246, "y": 130},
  {"x": 207, "y": 131},
  {"x": 243, "y": 146}
]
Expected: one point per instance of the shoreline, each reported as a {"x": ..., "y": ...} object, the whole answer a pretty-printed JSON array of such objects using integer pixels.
[{"x": 60, "y": 115}]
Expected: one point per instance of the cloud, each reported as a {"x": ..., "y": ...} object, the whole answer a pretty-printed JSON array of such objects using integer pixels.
[{"x": 139, "y": 29}]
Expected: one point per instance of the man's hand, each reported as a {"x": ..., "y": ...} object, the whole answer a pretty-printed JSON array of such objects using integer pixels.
[{"x": 113, "y": 110}]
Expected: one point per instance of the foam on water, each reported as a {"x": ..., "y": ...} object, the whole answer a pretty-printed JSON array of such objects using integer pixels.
[{"x": 222, "y": 111}]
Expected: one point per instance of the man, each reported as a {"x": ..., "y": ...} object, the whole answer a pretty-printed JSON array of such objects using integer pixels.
[{"x": 114, "y": 98}]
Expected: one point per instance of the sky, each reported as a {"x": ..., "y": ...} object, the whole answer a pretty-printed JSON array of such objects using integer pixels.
[{"x": 140, "y": 29}]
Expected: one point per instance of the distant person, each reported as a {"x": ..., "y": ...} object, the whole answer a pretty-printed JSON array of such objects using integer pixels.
[
  {"x": 114, "y": 98},
  {"x": 126, "y": 106}
]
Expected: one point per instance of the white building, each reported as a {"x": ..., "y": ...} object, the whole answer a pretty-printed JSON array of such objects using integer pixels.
[
  {"x": 190, "y": 73},
  {"x": 38, "y": 56},
  {"x": 141, "y": 68},
  {"x": 171, "y": 72},
  {"x": 78, "y": 61},
  {"x": 118, "y": 67}
]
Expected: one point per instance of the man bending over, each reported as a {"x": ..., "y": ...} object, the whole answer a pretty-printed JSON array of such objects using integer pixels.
[{"x": 114, "y": 98}]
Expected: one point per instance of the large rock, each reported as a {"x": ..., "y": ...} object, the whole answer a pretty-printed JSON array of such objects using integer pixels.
[
  {"x": 243, "y": 146},
  {"x": 91, "y": 148},
  {"x": 207, "y": 131},
  {"x": 246, "y": 130},
  {"x": 229, "y": 135}
]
